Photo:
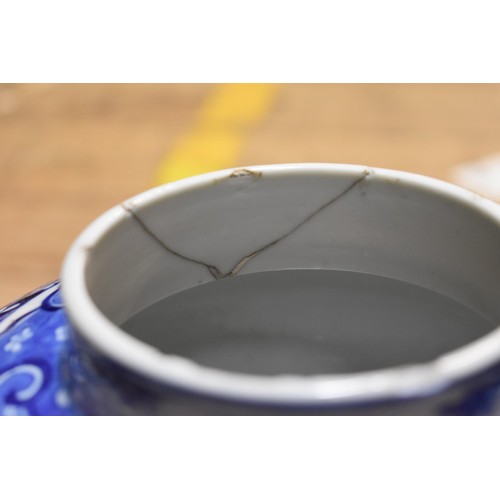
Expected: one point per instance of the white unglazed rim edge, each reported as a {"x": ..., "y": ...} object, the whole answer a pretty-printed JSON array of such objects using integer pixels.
[{"x": 316, "y": 390}]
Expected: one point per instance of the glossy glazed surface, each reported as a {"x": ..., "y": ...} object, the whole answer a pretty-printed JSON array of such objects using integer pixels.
[
  {"x": 33, "y": 338},
  {"x": 307, "y": 322},
  {"x": 286, "y": 217},
  {"x": 239, "y": 222},
  {"x": 35, "y": 349}
]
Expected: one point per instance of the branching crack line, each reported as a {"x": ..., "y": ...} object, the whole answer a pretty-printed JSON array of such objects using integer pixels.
[
  {"x": 244, "y": 261},
  {"x": 213, "y": 270}
]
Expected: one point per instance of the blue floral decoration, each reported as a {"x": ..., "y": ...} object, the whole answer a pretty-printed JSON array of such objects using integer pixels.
[{"x": 33, "y": 339}]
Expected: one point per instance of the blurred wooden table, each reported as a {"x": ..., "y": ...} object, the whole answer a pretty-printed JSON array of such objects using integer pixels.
[{"x": 69, "y": 152}]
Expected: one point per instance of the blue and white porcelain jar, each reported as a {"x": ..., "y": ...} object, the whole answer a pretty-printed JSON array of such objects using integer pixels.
[{"x": 374, "y": 354}]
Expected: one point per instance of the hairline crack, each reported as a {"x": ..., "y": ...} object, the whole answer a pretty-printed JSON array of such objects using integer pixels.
[
  {"x": 244, "y": 261},
  {"x": 213, "y": 270}
]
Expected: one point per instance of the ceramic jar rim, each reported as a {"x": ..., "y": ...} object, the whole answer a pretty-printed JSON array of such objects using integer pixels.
[{"x": 312, "y": 390}]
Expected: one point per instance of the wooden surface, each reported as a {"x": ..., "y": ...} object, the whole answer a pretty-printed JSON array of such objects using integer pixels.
[{"x": 69, "y": 152}]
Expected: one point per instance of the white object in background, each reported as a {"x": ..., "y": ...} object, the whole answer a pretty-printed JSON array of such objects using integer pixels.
[{"x": 482, "y": 176}]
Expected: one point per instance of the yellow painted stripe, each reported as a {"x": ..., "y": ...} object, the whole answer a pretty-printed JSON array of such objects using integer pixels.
[{"x": 217, "y": 137}]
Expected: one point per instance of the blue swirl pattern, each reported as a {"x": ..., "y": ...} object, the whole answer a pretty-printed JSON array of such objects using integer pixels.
[
  {"x": 33, "y": 339},
  {"x": 40, "y": 367}
]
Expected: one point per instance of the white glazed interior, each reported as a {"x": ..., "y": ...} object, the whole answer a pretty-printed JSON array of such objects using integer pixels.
[{"x": 340, "y": 217}]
